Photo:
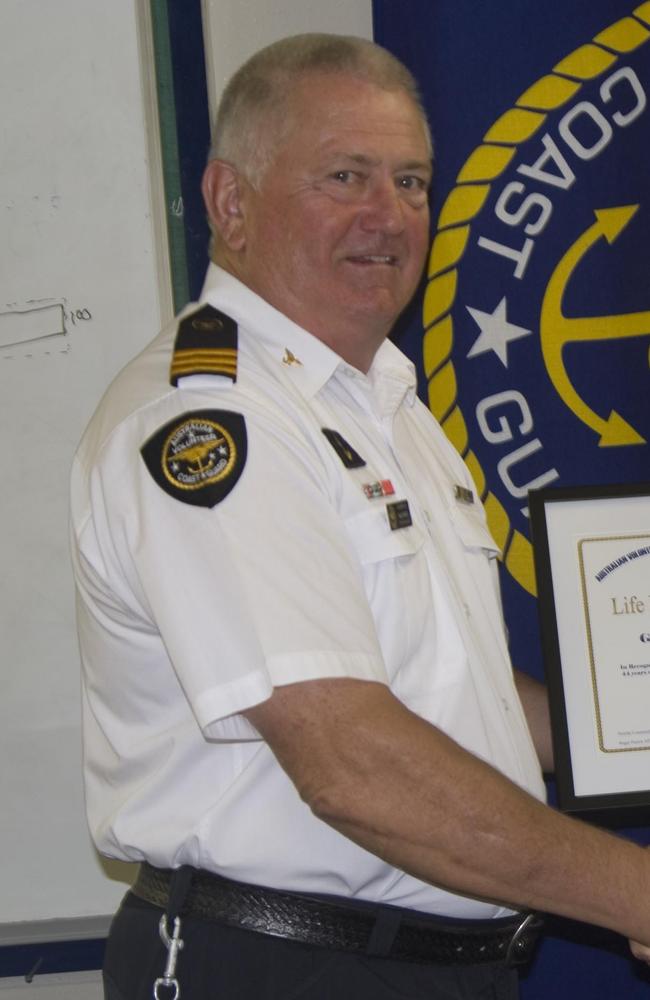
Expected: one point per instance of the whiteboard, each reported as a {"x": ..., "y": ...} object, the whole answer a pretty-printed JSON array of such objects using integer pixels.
[{"x": 83, "y": 286}]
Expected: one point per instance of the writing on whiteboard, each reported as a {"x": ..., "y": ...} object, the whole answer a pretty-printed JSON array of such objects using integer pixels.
[{"x": 23, "y": 328}]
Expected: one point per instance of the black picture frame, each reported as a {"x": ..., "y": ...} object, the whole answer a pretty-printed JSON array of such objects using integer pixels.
[{"x": 602, "y": 778}]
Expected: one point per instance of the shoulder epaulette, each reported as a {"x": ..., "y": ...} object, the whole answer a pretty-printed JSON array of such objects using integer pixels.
[{"x": 206, "y": 344}]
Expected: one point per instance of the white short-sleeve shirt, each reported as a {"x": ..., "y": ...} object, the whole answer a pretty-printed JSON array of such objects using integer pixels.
[{"x": 309, "y": 566}]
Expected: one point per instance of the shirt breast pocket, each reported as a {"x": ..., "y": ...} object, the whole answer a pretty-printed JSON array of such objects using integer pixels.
[
  {"x": 374, "y": 541},
  {"x": 473, "y": 531},
  {"x": 396, "y": 582}
]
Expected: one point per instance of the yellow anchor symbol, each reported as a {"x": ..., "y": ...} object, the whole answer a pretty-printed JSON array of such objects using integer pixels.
[{"x": 556, "y": 330}]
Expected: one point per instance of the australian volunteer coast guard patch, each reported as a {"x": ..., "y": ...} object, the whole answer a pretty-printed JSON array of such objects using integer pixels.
[{"x": 198, "y": 457}]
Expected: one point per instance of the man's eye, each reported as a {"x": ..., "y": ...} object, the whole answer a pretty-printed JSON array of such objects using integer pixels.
[
  {"x": 412, "y": 183},
  {"x": 344, "y": 176}
]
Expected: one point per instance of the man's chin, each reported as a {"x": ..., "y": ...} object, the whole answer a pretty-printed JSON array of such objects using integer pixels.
[{"x": 385, "y": 303}]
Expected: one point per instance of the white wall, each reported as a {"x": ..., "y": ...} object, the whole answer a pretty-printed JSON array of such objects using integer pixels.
[
  {"x": 234, "y": 29},
  {"x": 80, "y": 294}
]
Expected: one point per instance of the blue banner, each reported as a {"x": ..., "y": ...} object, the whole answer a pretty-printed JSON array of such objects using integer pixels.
[
  {"x": 534, "y": 331},
  {"x": 532, "y": 334}
]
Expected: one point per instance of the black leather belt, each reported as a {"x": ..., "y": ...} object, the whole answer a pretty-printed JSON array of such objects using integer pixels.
[{"x": 346, "y": 925}]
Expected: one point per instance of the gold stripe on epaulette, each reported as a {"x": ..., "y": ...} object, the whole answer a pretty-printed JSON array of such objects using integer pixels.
[
  {"x": 206, "y": 344},
  {"x": 205, "y": 355},
  {"x": 180, "y": 370},
  {"x": 216, "y": 362}
]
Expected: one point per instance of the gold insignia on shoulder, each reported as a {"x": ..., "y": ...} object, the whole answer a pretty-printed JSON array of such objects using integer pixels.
[{"x": 290, "y": 358}]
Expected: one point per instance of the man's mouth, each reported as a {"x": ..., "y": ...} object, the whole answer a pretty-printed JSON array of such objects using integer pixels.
[{"x": 373, "y": 258}]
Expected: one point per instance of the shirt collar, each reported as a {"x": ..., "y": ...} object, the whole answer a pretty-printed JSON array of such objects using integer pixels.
[{"x": 390, "y": 381}]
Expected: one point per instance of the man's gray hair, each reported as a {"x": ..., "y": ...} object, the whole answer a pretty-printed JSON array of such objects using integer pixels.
[{"x": 253, "y": 116}]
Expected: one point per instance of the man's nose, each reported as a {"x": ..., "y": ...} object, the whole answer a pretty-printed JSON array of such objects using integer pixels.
[{"x": 384, "y": 208}]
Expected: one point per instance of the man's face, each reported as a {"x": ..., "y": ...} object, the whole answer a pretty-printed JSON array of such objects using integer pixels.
[{"x": 336, "y": 235}]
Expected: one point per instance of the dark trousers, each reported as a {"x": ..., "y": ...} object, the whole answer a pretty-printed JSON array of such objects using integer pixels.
[{"x": 225, "y": 963}]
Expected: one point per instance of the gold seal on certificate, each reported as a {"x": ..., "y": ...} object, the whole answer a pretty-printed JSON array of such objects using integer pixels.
[{"x": 592, "y": 561}]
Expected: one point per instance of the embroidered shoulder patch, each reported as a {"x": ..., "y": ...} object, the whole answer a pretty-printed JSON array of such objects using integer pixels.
[
  {"x": 350, "y": 458},
  {"x": 198, "y": 456},
  {"x": 206, "y": 344}
]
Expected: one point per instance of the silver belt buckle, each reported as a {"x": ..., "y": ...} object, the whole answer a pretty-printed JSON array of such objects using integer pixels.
[{"x": 517, "y": 949}]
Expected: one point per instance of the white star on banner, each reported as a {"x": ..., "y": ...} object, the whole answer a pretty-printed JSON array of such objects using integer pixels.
[{"x": 496, "y": 332}]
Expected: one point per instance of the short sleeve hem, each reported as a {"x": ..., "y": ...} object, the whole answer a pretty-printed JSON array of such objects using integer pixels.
[
  {"x": 290, "y": 668},
  {"x": 219, "y": 710}
]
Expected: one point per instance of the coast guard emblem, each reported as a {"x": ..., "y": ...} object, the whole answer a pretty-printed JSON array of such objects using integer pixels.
[
  {"x": 199, "y": 456},
  {"x": 537, "y": 312}
]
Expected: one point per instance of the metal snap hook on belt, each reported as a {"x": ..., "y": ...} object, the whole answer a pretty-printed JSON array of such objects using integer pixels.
[{"x": 173, "y": 945}]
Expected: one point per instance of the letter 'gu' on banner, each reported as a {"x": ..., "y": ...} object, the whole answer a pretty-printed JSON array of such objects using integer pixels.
[{"x": 533, "y": 335}]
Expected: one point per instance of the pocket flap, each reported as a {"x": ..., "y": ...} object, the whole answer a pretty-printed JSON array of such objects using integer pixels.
[
  {"x": 470, "y": 524},
  {"x": 374, "y": 540}
]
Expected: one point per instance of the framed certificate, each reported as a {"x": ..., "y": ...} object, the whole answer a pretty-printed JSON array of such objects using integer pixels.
[{"x": 592, "y": 563}]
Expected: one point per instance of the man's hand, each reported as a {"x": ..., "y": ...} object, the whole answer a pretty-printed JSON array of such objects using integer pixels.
[{"x": 640, "y": 951}]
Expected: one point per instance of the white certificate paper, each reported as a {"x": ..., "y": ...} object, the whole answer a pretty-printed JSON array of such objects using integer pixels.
[
  {"x": 592, "y": 556},
  {"x": 615, "y": 574}
]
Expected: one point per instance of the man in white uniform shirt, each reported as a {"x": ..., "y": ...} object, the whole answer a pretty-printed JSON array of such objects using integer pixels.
[{"x": 299, "y": 711}]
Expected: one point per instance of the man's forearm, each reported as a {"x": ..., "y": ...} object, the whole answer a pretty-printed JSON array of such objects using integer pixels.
[{"x": 406, "y": 792}]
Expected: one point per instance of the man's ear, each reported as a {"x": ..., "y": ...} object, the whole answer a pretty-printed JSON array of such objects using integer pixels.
[{"x": 222, "y": 193}]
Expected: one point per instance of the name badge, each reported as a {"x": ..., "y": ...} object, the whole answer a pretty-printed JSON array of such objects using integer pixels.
[
  {"x": 463, "y": 494},
  {"x": 399, "y": 515}
]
